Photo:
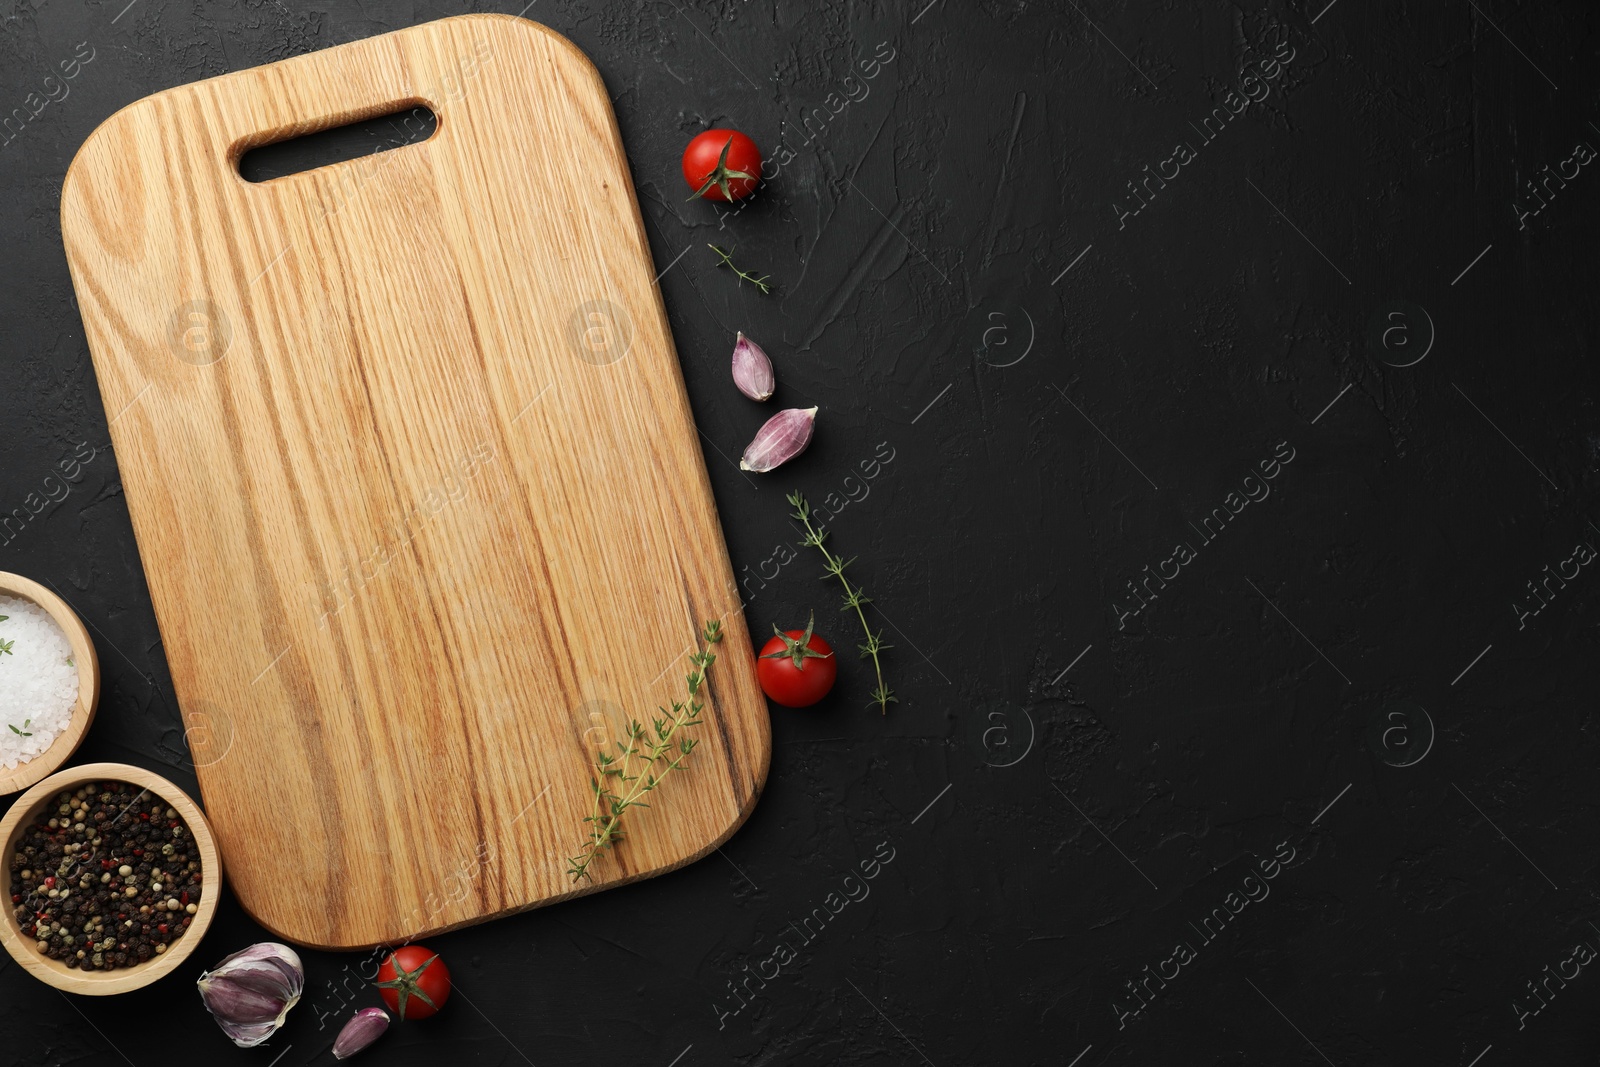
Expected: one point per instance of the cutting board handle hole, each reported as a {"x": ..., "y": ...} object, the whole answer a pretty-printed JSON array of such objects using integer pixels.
[{"x": 410, "y": 124}]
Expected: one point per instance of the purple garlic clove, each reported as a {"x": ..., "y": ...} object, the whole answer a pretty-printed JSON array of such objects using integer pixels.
[
  {"x": 250, "y": 993},
  {"x": 364, "y": 1027},
  {"x": 752, "y": 370},
  {"x": 784, "y": 437}
]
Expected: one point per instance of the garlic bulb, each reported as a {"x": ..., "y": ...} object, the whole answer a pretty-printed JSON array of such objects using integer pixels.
[
  {"x": 784, "y": 437},
  {"x": 364, "y": 1027},
  {"x": 752, "y": 370},
  {"x": 250, "y": 993}
]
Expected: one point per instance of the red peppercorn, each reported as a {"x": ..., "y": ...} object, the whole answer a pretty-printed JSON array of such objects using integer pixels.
[
  {"x": 50, "y": 882},
  {"x": 16, "y": 898},
  {"x": 162, "y": 927},
  {"x": 183, "y": 897}
]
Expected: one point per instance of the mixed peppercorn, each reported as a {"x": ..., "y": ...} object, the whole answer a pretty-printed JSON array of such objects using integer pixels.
[{"x": 108, "y": 876}]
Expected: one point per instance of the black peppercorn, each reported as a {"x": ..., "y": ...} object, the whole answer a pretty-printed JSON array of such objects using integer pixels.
[{"x": 83, "y": 866}]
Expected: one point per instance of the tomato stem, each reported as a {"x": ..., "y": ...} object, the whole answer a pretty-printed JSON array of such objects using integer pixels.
[{"x": 798, "y": 649}]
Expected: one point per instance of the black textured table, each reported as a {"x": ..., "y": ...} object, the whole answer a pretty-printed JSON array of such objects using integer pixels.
[{"x": 1207, "y": 392}]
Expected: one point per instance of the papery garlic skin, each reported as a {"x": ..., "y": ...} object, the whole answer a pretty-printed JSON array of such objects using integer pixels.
[
  {"x": 784, "y": 437},
  {"x": 752, "y": 370},
  {"x": 250, "y": 993},
  {"x": 364, "y": 1027}
]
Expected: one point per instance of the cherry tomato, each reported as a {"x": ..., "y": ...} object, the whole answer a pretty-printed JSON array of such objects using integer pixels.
[
  {"x": 414, "y": 982},
  {"x": 722, "y": 165},
  {"x": 796, "y": 668}
]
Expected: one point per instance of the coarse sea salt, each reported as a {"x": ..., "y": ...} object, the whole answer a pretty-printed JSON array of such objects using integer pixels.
[{"x": 38, "y": 681}]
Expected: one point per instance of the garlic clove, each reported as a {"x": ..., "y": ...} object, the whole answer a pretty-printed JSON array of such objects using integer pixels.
[
  {"x": 784, "y": 437},
  {"x": 250, "y": 992},
  {"x": 238, "y": 1002},
  {"x": 752, "y": 370},
  {"x": 364, "y": 1027}
]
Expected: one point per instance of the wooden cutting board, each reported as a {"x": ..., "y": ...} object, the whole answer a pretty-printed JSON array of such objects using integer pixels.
[{"x": 414, "y": 478}]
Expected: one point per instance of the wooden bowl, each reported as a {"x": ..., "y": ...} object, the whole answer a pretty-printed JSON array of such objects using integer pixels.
[
  {"x": 66, "y": 743},
  {"x": 104, "y": 983}
]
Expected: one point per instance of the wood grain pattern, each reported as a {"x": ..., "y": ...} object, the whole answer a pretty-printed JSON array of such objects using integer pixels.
[
  {"x": 88, "y": 664},
  {"x": 414, "y": 478},
  {"x": 123, "y": 979}
]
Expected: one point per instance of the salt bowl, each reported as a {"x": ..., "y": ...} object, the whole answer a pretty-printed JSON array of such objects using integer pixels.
[{"x": 49, "y": 682}]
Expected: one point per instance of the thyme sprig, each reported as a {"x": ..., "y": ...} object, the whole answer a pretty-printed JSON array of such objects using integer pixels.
[
  {"x": 727, "y": 261},
  {"x": 643, "y": 758},
  {"x": 854, "y": 596}
]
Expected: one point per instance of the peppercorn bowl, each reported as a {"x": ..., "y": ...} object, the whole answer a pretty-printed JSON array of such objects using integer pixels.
[
  {"x": 164, "y": 798},
  {"x": 88, "y": 666}
]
